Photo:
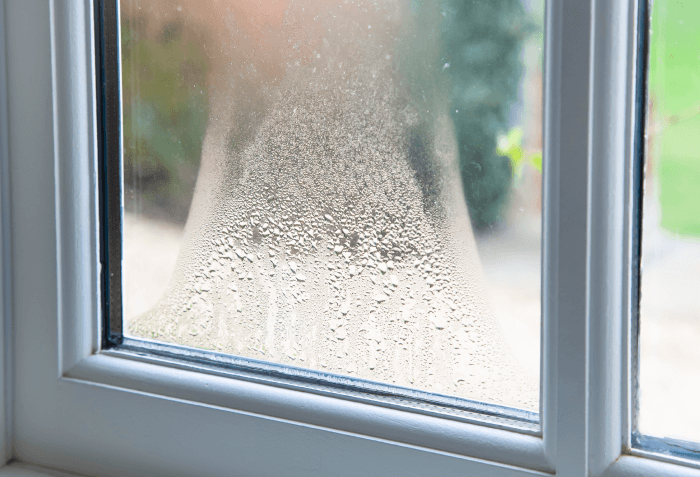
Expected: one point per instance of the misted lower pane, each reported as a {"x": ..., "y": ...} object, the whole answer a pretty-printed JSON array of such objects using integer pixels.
[
  {"x": 347, "y": 186},
  {"x": 669, "y": 365}
]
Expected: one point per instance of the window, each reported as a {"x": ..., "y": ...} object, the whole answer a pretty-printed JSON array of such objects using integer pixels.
[
  {"x": 80, "y": 409},
  {"x": 328, "y": 233}
]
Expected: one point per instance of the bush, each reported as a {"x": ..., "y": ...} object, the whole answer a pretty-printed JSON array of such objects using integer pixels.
[
  {"x": 482, "y": 42},
  {"x": 165, "y": 104},
  {"x": 164, "y": 115}
]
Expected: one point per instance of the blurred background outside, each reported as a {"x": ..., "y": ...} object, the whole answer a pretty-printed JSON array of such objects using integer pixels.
[
  {"x": 493, "y": 52},
  {"x": 669, "y": 309}
]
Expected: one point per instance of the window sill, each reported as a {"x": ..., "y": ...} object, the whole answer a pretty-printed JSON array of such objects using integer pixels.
[{"x": 17, "y": 469}]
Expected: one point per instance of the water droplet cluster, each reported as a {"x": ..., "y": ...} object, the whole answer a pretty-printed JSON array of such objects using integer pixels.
[{"x": 330, "y": 241}]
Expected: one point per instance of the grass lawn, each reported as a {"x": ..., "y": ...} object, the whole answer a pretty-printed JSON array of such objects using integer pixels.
[
  {"x": 674, "y": 82},
  {"x": 679, "y": 178}
]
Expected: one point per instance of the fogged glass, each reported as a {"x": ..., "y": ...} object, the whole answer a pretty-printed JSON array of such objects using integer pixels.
[
  {"x": 669, "y": 310},
  {"x": 351, "y": 187}
]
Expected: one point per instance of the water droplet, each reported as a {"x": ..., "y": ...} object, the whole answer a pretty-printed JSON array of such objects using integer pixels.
[
  {"x": 380, "y": 297},
  {"x": 439, "y": 320}
]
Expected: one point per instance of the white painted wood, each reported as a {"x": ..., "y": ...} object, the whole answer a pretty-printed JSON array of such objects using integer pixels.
[
  {"x": 75, "y": 166},
  {"x": 23, "y": 470},
  {"x": 108, "y": 414},
  {"x": 325, "y": 411},
  {"x": 5, "y": 258},
  {"x": 612, "y": 132},
  {"x": 568, "y": 33},
  {"x": 629, "y": 466}
]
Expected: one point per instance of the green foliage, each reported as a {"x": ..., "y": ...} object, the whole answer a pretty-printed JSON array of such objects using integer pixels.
[
  {"x": 482, "y": 42},
  {"x": 510, "y": 146},
  {"x": 678, "y": 170},
  {"x": 674, "y": 83},
  {"x": 164, "y": 113},
  {"x": 680, "y": 196},
  {"x": 165, "y": 101},
  {"x": 674, "y": 63}
]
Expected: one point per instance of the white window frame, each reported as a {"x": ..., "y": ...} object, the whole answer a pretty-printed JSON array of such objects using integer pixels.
[{"x": 73, "y": 407}]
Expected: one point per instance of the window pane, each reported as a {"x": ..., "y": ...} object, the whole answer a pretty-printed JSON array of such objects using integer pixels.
[
  {"x": 669, "y": 309},
  {"x": 351, "y": 187}
]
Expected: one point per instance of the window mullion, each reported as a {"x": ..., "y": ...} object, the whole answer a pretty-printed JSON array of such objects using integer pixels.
[
  {"x": 5, "y": 257},
  {"x": 566, "y": 196},
  {"x": 614, "y": 129}
]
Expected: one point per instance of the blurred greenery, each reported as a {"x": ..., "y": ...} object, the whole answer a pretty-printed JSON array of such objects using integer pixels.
[
  {"x": 164, "y": 114},
  {"x": 165, "y": 105},
  {"x": 678, "y": 170},
  {"x": 674, "y": 85},
  {"x": 482, "y": 43},
  {"x": 510, "y": 146}
]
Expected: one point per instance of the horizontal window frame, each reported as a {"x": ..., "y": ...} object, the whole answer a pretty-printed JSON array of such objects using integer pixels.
[
  {"x": 338, "y": 386},
  {"x": 148, "y": 375}
]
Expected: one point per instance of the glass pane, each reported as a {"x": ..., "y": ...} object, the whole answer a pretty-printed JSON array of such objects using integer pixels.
[
  {"x": 669, "y": 309},
  {"x": 350, "y": 187}
]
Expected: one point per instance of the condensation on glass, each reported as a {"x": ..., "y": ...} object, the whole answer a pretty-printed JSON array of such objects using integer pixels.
[
  {"x": 669, "y": 350},
  {"x": 295, "y": 175}
]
